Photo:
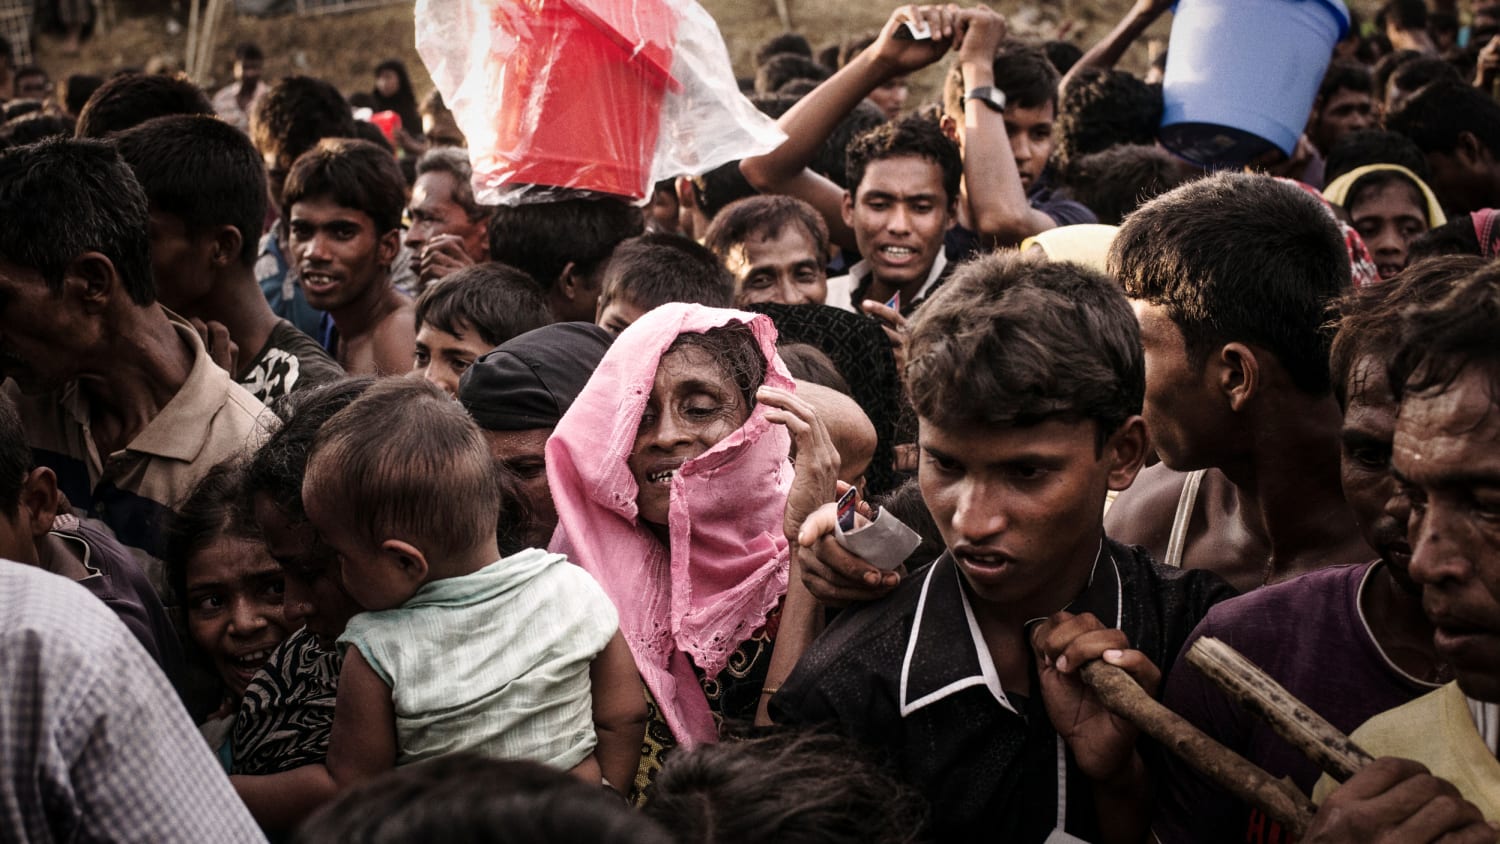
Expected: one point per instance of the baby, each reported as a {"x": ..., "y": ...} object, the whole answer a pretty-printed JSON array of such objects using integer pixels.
[{"x": 459, "y": 650}]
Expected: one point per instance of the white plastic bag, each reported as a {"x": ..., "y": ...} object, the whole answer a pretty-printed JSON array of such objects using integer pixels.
[{"x": 592, "y": 96}]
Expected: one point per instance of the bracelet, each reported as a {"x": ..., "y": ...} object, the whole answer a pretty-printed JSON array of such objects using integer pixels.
[{"x": 769, "y": 690}]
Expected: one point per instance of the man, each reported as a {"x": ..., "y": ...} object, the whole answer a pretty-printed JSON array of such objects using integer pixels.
[
  {"x": 1446, "y": 777},
  {"x": 235, "y": 102},
  {"x": 133, "y": 98},
  {"x": 98, "y": 747},
  {"x": 1231, "y": 276},
  {"x": 565, "y": 246},
  {"x": 448, "y": 229},
  {"x": 342, "y": 205},
  {"x": 206, "y": 190},
  {"x": 1458, "y": 128},
  {"x": 1344, "y": 104},
  {"x": 1366, "y": 620},
  {"x": 1027, "y": 381},
  {"x": 775, "y": 247},
  {"x": 118, "y": 400}
]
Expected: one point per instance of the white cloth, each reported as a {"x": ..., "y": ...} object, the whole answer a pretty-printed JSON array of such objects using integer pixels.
[
  {"x": 841, "y": 288},
  {"x": 495, "y": 662}
]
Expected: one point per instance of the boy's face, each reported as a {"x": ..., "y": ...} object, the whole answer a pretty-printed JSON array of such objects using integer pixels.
[
  {"x": 181, "y": 262},
  {"x": 618, "y": 315},
  {"x": 1031, "y": 139},
  {"x": 370, "y": 574},
  {"x": 784, "y": 268},
  {"x": 1020, "y": 508},
  {"x": 442, "y": 358},
  {"x": 340, "y": 257},
  {"x": 899, "y": 213}
]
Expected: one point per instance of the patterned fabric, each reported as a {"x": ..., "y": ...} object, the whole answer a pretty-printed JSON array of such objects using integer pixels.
[
  {"x": 285, "y": 717},
  {"x": 290, "y": 361},
  {"x": 94, "y": 744},
  {"x": 516, "y": 639},
  {"x": 16, "y": 17},
  {"x": 1485, "y": 231}
]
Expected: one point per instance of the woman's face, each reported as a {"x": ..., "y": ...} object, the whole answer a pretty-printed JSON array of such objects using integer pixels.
[
  {"x": 387, "y": 83},
  {"x": 314, "y": 597},
  {"x": 234, "y": 608},
  {"x": 694, "y": 403},
  {"x": 1389, "y": 218}
]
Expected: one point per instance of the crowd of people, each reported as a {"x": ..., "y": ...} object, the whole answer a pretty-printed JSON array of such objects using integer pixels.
[{"x": 338, "y": 506}]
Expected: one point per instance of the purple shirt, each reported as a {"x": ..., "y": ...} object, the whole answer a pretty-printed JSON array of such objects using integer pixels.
[{"x": 1310, "y": 635}]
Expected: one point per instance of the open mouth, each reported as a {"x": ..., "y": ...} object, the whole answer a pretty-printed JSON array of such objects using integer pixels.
[
  {"x": 318, "y": 282},
  {"x": 898, "y": 254},
  {"x": 661, "y": 477}
]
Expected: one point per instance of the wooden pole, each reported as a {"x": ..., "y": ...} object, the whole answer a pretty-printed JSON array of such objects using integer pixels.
[
  {"x": 212, "y": 15},
  {"x": 1278, "y": 798},
  {"x": 192, "y": 37}
]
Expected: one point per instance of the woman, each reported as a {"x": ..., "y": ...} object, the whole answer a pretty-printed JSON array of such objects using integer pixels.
[
  {"x": 393, "y": 92},
  {"x": 232, "y": 594},
  {"x": 673, "y": 489},
  {"x": 1390, "y": 207}
]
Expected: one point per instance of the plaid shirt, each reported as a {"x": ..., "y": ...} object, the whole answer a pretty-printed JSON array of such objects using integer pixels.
[{"x": 94, "y": 744}]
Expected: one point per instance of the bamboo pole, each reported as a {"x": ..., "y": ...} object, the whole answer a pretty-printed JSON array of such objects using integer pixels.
[{"x": 192, "y": 37}]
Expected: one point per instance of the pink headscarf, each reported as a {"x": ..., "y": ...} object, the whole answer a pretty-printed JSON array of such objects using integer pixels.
[
  {"x": 729, "y": 558},
  {"x": 1485, "y": 232}
]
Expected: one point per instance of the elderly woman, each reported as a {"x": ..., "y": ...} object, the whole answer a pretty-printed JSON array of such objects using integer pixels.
[{"x": 673, "y": 488}]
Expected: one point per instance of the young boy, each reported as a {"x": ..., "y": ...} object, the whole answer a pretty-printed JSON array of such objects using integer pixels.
[
  {"x": 465, "y": 315},
  {"x": 1027, "y": 379},
  {"x": 342, "y": 204},
  {"x": 458, "y": 650},
  {"x": 651, "y": 270}
]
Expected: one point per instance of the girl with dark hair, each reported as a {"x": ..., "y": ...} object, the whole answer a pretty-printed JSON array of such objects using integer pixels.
[{"x": 1390, "y": 206}]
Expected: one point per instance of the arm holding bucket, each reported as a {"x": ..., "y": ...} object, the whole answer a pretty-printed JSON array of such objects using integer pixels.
[
  {"x": 1108, "y": 51},
  {"x": 784, "y": 170}
]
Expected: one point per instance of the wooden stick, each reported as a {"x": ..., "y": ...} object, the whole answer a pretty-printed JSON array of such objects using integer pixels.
[
  {"x": 1305, "y": 729},
  {"x": 192, "y": 37},
  {"x": 214, "y": 12},
  {"x": 1278, "y": 798}
]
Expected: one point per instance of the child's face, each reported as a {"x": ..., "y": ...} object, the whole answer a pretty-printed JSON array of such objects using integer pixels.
[
  {"x": 374, "y": 576},
  {"x": 442, "y": 358}
]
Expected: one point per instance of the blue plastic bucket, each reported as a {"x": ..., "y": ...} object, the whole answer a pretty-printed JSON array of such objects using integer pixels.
[{"x": 1242, "y": 75}]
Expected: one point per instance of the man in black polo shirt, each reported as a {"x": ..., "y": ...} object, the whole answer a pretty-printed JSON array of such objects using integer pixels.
[{"x": 1028, "y": 380}]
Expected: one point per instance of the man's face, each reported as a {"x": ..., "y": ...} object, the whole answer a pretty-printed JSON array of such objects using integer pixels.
[
  {"x": 899, "y": 214},
  {"x": 1365, "y": 466},
  {"x": 1447, "y": 455},
  {"x": 524, "y": 454},
  {"x": 1018, "y": 507},
  {"x": 42, "y": 335},
  {"x": 340, "y": 257},
  {"x": 181, "y": 262},
  {"x": 1031, "y": 142},
  {"x": 433, "y": 212},
  {"x": 33, "y": 86},
  {"x": 1346, "y": 110},
  {"x": 890, "y": 97},
  {"x": 783, "y": 268},
  {"x": 1458, "y": 181},
  {"x": 442, "y": 358},
  {"x": 1178, "y": 401}
]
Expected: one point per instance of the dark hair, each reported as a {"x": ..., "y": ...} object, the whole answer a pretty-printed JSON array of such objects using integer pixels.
[
  {"x": 20, "y": 108},
  {"x": 913, "y": 135},
  {"x": 1385, "y": 67},
  {"x": 1405, "y": 14},
  {"x": 792, "y": 788},
  {"x": 63, "y": 197},
  {"x": 1344, "y": 76},
  {"x": 1268, "y": 282},
  {"x": 126, "y": 101},
  {"x": 398, "y": 67},
  {"x": 542, "y": 239},
  {"x": 809, "y": 363},
  {"x": 1434, "y": 117},
  {"x": 651, "y": 270},
  {"x": 498, "y": 301},
  {"x": 796, "y": 89},
  {"x": 1441, "y": 339},
  {"x": 1367, "y": 185},
  {"x": 294, "y": 115},
  {"x": 394, "y": 451},
  {"x": 26, "y": 70},
  {"x": 1442, "y": 22},
  {"x": 202, "y": 171},
  {"x": 1101, "y": 109},
  {"x": 1062, "y": 54},
  {"x": 828, "y": 55},
  {"x": 1455, "y": 237},
  {"x": 1374, "y": 146},
  {"x": 764, "y": 216},
  {"x": 455, "y": 162},
  {"x": 785, "y": 42},
  {"x": 275, "y": 469},
  {"x": 34, "y": 127},
  {"x": 855, "y": 45},
  {"x": 1013, "y": 341},
  {"x": 364, "y": 130},
  {"x": 209, "y": 512},
  {"x": 354, "y": 174},
  {"x": 16, "y": 460},
  {"x": 7, "y": 52},
  {"x": 734, "y": 347},
  {"x": 464, "y": 798},
  {"x": 247, "y": 51},
  {"x": 77, "y": 89},
  {"x": 1369, "y": 323},
  {"x": 1021, "y": 71},
  {"x": 1118, "y": 180},
  {"x": 833, "y": 154},
  {"x": 719, "y": 187},
  {"x": 1418, "y": 73},
  {"x": 779, "y": 70}
]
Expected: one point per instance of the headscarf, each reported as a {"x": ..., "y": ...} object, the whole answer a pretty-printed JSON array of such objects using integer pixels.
[
  {"x": 728, "y": 561},
  {"x": 1086, "y": 243},
  {"x": 1485, "y": 232},
  {"x": 1337, "y": 191}
]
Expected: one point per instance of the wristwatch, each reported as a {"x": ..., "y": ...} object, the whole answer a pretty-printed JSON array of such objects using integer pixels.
[{"x": 989, "y": 95}]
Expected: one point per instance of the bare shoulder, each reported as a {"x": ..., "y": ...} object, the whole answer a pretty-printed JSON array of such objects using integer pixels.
[
  {"x": 1142, "y": 514},
  {"x": 394, "y": 340}
]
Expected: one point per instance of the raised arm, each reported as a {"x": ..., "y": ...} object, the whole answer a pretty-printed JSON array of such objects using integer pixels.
[
  {"x": 1108, "y": 51},
  {"x": 808, "y": 124}
]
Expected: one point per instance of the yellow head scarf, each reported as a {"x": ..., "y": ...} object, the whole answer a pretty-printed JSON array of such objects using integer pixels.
[{"x": 1337, "y": 191}]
